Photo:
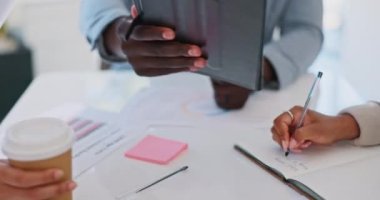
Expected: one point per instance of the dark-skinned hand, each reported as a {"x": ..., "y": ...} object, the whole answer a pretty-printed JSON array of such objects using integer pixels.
[
  {"x": 229, "y": 96},
  {"x": 151, "y": 50}
]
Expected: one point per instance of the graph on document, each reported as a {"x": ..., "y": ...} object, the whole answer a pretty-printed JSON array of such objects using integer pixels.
[{"x": 94, "y": 141}]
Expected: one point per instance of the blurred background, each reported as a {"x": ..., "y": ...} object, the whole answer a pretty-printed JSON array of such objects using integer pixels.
[{"x": 42, "y": 36}]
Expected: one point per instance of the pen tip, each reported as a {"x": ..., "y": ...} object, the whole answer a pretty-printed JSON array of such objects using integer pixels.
[
  {"x": 320, "y": 74},
  {"x": 286, "y": 154}
]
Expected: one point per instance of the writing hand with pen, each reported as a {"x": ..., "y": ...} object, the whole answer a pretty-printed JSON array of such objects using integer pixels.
[{"x": 317, "y": 129}]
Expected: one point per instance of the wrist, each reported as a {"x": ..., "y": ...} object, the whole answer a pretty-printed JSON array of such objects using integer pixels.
[
  {"x": 348, "y": 127},
  {"x": 268, "y": 71},
  {"x": 112, "y": 40}
]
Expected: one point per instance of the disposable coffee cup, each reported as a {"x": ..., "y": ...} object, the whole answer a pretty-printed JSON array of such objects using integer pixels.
[{"x": 39, "y": 144}]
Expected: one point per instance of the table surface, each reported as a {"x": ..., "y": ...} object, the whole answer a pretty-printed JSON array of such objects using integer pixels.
[{"x": 216, "y": 171}]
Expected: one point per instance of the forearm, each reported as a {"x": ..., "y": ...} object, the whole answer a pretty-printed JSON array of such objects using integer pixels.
[
  {"x": 368, "y": 119},
  {"x": 293, "y": 54},
  {"x": 300, "y": 42},
  {"x": 110, "y": 45},
  {"x": 96, "y": 15}
]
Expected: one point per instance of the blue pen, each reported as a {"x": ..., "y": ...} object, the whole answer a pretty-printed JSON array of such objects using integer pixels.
[{"x": 306, "y": 106}]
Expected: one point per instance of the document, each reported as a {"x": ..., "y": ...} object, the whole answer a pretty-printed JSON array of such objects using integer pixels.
[
  {"x": 195, "y": 103},
  {"x": 96, "y": 134}
]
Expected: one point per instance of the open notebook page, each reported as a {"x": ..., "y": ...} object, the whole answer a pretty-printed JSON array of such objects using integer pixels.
[
  {"x": 350, "y": 181},
  {"x": 261, "y": 145}
]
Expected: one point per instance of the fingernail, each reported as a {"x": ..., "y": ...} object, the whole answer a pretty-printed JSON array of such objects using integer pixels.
[
  {"x": 58, "y": 174},
  {"x": 200, "y": 63},
  {"x": 284, "y": 146},
  {"x": 72, "y": 186},
  {"x": 306, "y": 145},
  {"x": 194, "y": 52},
  {"x": 169, "y": 35},
  {"x": 293, "y": 143}
]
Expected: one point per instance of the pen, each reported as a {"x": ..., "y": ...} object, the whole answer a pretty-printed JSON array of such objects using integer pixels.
[
  {"x": 131, "y": 193},
  {"x": 163, "y": 178},
  {"x": 136, "y": 20},
  {"x": 306, "y": 106}
]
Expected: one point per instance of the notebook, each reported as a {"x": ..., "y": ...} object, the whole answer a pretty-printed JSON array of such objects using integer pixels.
[
  {"x": 229, "y": 32},
  {"x": 309, "y": 173}
]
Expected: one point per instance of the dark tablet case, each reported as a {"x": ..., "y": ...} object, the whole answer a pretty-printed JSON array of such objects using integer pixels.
[{"x": 230, "y": 33}]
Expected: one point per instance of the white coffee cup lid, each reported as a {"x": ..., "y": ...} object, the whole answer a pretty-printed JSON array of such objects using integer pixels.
[{"x": 37, "y": 139}]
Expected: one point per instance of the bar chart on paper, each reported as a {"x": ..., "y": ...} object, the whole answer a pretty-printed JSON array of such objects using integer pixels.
[
  {"x": 96, "y": 135},
  {"x": 95, "y": 140}
]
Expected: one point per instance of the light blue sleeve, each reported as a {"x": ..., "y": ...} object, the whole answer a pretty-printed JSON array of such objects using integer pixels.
[
  {"x": 301, "y": 40},
  {"x": 97, "y": 14}
]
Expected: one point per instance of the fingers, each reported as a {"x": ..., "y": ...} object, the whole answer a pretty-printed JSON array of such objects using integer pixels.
[
  {"x": 24, "y": 185},
  {"x": 316, "y": 129},
  {"x": 283, "y": 127},
  {"x": 171, "y": 63},
  {"x": 41, "y": 193},
  {"x": 143, "y": 65},
  {"x": 47, "y": 192},
  {"x": 152, "y": 33},
  {"x": 299, "y": 147},
  {"x": 275, "y": 136},
  {"x": 317, "y": 133},
  {"x": 160, "y": 72},
  {"x": 152, "y": 51},
  {"x": 161, "y": 49},
  {"x": 306, "y": 145},
  {"x": 297, "y": 114},
  {"x": 22, "y": 179},
  {"x": 228, "y": 96}
]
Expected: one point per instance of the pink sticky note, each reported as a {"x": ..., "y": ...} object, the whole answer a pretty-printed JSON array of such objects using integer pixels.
[{"x": 156, "y": 150}]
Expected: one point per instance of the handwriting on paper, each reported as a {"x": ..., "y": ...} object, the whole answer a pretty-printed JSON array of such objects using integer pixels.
[{"x": 293, "y": 164}]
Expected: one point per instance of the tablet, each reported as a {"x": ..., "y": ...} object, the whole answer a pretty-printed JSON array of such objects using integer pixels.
[{"x": 230, "y": 33}]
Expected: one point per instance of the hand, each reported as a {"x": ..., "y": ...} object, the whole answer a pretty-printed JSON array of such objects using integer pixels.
[
  {"x": 18, "y": 184},
  {"x": 317, "y": 129},
  {"x": 229, "y": 96},
  {"x": 152, "y": 50}
]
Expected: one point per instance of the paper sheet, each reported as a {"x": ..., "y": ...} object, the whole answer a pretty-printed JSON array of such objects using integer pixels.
[
  {"x": 96, "y": 134},
  {"x": 197, "y": 105},
  {"x": 351, "y": 181},
  {"x": 174, "y": 105},
  {"x": 313, "y": 159}
]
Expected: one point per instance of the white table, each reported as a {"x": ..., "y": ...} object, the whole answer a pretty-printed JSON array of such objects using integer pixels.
[{"x": 216, "y": 170}]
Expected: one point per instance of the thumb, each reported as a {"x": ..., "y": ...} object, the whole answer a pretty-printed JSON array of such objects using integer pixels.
[{"x": 134, "y": 11}]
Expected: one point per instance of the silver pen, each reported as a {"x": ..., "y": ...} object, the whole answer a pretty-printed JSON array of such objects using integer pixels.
[{"x": 306, "y": 106}]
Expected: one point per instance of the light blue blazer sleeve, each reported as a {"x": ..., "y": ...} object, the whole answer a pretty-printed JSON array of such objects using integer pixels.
[
  {"x": 95, "y": 15},
  {"x": 300, "y": 42}
]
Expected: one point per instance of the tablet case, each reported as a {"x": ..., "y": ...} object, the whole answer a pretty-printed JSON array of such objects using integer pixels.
[{"x": 230, "y": 33}]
